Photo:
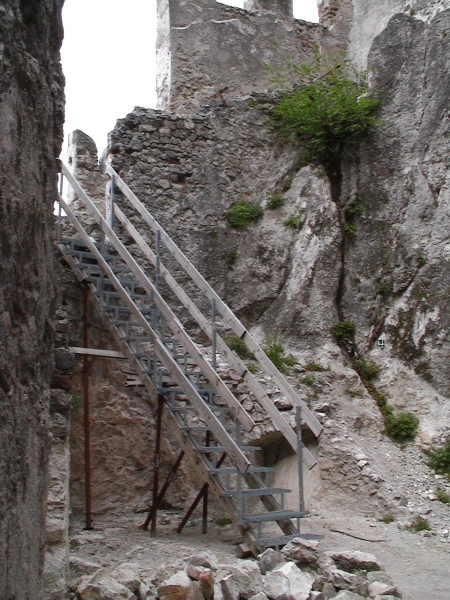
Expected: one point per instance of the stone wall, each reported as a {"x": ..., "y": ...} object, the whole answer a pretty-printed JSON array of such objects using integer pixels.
[
  {"x": 207, "y": 49},
  {"x": 31, "y": 122}
]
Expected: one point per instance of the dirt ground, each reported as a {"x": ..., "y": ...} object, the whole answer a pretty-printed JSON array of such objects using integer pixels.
[{"x": 419, "y": 565}]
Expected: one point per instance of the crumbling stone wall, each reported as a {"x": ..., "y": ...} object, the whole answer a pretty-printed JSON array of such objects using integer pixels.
[
  {"x": 207, "y": 49},
  {"x": 31, "y": 120}
]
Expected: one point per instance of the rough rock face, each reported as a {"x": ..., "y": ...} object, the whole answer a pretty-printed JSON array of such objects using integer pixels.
[
  {"x": 355, "y": 23},
  {"x": 207, "y": 49},
  {"x": 397, "y": 267},
  {"x": 31, "y": 133}
]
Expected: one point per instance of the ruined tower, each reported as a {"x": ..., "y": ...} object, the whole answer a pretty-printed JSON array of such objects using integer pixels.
[{"x": 207, "y": 49}]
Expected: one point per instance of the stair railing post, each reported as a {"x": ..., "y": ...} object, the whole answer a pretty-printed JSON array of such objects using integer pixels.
[
  {"x": 158, "y": 261},
  {"x": 111, "y": 204},
  {"x": 301, "y": 492},
  {"x": 87, "y": 423},
  {"x": 214, "y": 334},
  {"x": 59, "y": 223},
  {"x": 240, "y": 500}
]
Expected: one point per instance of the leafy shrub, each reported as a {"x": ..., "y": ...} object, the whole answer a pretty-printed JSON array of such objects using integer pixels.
[
  {"x": 331, "y": 105},
  {"x": 389, "y": 518},
  {"x": 293, "y": 222},
  {"x": 351, "y": 229},
  {"x": 419, "y": 524},
  {"x": 439, "y": 459},
  {"x": 385, "y": 288},
  {"x": 274, "y": 350},
  {"x": 443, "y": 496},
  {"x": 239, "y": 346},
  {"x": 275, "y": 200},
  {"x": 315, "y": 367},
  {"x": 367, "y": 369},
  {"x": 242, "y": 214},
  {"x": 232, "y": 258},
  {"x": 343, "y": 330},
  {"x": 401, "y": 427}
]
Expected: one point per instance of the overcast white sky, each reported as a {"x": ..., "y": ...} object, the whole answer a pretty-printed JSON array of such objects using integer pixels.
[{"x": 108, "y": 57}]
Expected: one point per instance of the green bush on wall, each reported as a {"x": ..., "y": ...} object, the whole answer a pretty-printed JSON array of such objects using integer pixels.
[
  {"x": 330, "y": 104},
  {"x": 440, "y": 459},
  {"x": 401, "y": 427},
  {"x": 241, "y": 214}
]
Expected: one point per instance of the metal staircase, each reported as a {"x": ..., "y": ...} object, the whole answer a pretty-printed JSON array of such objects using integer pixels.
[{"x": 145, "y": 308}]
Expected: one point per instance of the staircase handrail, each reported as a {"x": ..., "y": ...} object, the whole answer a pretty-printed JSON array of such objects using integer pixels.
[{"x": 238, "y": 328}]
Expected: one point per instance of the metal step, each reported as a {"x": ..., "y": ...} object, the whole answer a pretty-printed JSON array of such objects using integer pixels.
[
  {"x": 249, "y": 493},
  {"x": 275, "y": 515},
  {"x": 223, "y": 449},
  {"x": 234, "y": 471}
]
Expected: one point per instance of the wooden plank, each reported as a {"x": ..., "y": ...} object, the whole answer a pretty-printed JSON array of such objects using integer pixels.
[
  {"x": 235, "y": 362},
  {"x": 97, "y": 352},
  {"x": 168, "y": 361},
  {"x": 178, "y": 330},
  {"x": 309, "y": 418}
]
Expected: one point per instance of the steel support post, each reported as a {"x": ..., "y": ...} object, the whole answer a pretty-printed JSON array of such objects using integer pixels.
[
  {"x": 198, "y": 498},
  {"x": 156, "y": 465},
  {"x": 163, "y": 491},
  {"x": 301, "y": 492},
  {"x": 87, "y": 424}
]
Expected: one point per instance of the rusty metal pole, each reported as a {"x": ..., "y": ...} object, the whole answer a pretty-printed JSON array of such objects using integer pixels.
[
  {"x": 163, "y": 491},
  {"x": 156, "y": 465},
  {"x": 87, "y": 424}
]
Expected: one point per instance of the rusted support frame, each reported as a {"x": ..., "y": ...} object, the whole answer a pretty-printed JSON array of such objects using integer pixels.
[
  {"x": 199, "y": 496},
  {"x": 87, "y": 423},
  {"x": 163, "y": 491},
  {"x": 156, "y": 465}
]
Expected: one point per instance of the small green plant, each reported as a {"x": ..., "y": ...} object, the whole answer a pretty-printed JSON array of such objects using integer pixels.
[
  {"x": 252, "y": 368},
  {"x": 243, "y": 213},
  {"x": 388, "y": 518},
  {"x": 286, "y": 185},
  {"x": 412, "y": 12},
  {"x": 419, "y": 524},
  {"x": 343, "y": 330},
  {"x": 307, "y": 380},
  {"x": 315, "y": 367},
  {"x": 351, "y": 229},
  {"x": 76, "y": 402},
  {"x": 443, "y": 496},
  {"x": 401, "y": 427},
  {"x": 277, "y": 354},
  {"x": 275, "y": 200},
  {"x": 239, "y": 346},
  {"x": 439, "y": 459},
  {"x": 421, "y": 260},
  {"x": 353, "y": 393},
  {"x": 385, "y": 288},
  {"x": 367, "y": 369},
  {"x": 293, "y": 222},
  {"x": 232, "y": 259}
]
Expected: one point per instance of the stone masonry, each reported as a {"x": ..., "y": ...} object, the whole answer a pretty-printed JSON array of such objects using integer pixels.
[{"x": 208, "y": 50}]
